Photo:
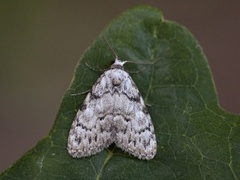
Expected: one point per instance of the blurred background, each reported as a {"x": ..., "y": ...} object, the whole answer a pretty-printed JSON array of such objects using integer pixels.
[{"x": 42, "y": 41}]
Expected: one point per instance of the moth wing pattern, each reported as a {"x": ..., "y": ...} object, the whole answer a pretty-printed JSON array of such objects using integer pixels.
[
  {"x": 113, "y": 111},
  {"x": 135, "y": 132},
  {"x": 90, "y": 131}
]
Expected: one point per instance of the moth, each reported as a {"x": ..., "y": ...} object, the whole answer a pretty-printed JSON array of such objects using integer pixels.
[{"x": 113, "y": 112}]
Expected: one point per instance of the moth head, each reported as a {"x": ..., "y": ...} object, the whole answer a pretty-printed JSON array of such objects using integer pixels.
[{"x": 118, "y": 64}]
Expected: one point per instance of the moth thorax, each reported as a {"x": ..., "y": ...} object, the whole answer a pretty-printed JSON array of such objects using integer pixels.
[{"x": 116, "y": 81}]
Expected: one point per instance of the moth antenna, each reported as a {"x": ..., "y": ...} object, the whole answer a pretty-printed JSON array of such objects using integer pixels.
[{"x": 111, "y": 47}]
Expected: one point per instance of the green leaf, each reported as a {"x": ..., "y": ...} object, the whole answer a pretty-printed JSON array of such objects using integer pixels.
[{"x": 196, "y": 138}]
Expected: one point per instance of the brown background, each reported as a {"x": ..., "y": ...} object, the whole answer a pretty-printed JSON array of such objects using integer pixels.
[{"x": 41, "y": 42}]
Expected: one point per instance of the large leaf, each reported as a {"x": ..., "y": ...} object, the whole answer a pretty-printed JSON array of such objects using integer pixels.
[{"x": 196, "y": 138}]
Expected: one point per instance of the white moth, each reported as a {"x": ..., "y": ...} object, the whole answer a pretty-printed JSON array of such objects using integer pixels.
[{"x": 113, "y": 112}]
